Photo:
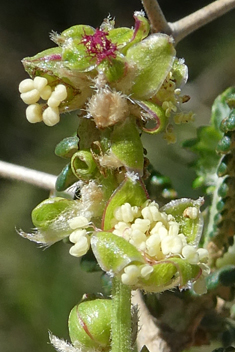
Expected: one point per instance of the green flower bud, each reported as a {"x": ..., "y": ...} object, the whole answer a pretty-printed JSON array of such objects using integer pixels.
[
  {"x": 224, "y": 145},
  {"x": 67, "y": 147},
  {"x": 90, "y": 324}
]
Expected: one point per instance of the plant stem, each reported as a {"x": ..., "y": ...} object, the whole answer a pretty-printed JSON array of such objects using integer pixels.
[
  {"x": 121, "y": 317},
  {"x": 191, "y": 23},
  {"x": 34, "y": 177},
  {"x": 156, "y": 17},
  {"x": 182, "y": 28}
]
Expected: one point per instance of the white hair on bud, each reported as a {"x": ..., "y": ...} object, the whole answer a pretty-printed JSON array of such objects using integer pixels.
[{"x": 107, "y": 108}]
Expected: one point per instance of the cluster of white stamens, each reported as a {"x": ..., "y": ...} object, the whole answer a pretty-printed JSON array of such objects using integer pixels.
[
  {"x": 79, "y": 236},
  {"x": 32, "y": 90},
  {"x": 156, "y": 235}
]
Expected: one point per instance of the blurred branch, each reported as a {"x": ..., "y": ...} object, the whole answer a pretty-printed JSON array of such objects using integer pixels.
[
  {"x": 20, "y": 173},
  {"x": 182, "y": 28},
  {"x": 149, "y": 334}
]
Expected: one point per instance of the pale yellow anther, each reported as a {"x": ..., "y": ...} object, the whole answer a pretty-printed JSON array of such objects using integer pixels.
[
  {"x": 26, "y": 85},
  {"x": 190, "y": 254},
  {"x": 51, "y": 116},
  {"x": 171, "y": 245},
  {"x": 30, "y": 97},
  {"x": 34, "y": 113},
  {"x": 46, "y": 93},
  {"x": 40, "y": 83},
  {"x": 142, "y": 225},
  {"x": 53, "y": 102},
  {"x": 138, "y": 239},
  {"x": 153, "y": 245},
  {"x": 130, "y": 275},
  {"x": 146, "y": 270},
  {"x": 191, "y": 212},
  {"x": 76, "y": 235},
  {"x": 60, "y": 92},
  {"x": 124, "y": 213},
  {"x": 81, "y": 247},
  {"x": 173, "y": 228},
  {"x": 78, "y": 222},
  {"x": 151, "y": 213}
]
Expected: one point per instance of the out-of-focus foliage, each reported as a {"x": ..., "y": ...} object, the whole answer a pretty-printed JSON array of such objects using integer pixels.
[{"x": 38, "y": 288}]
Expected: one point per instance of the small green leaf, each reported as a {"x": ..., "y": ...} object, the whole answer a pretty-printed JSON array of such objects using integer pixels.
[
  {"x": 67, "y": 147},
  {"x": 65, "y": 179}
]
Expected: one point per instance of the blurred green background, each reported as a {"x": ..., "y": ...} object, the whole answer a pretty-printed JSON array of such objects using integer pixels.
[{"x": 38, "y": 288}]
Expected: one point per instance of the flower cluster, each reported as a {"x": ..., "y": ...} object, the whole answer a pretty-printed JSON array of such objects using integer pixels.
[
  {"x": 171, "y": 100},
  {"x": 157, "y": 236},
  {"x": 32, "y": 90}
]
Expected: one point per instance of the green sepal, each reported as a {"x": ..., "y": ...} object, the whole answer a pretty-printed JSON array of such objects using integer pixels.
[
  {"x": 169, "y": 273},
  {"x": 67, "y": 147},
  {"x": 153, "y": 58},
  {"x": 126, "y": 37},
  {"x": 113, "y": 69},
  {"x": 129, "y": 191},
  {"x": 46, "y": 64},
  {"x": 179, "y": 72},
  {"x": 47, "y": 211},
  {"x": 161, "y": 279},
  {"x": 114, "y": 253},
  {"x": 155, "y": 114},
  {"x": 74, "y": 52},
  {"x": 65, "y": 179},
  {"x": 83, "y": 165},
  {"x": 191, "y": 228},
  {"x": 126, "y": 145},
  {"x": 187, "y": 271},
  {"x": 90, "y": 324}
]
